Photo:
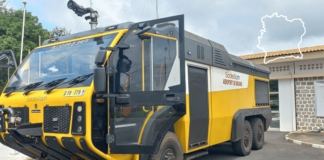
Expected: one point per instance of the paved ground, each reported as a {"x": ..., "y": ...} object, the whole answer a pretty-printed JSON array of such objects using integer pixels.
[
  {"x": 275, "y": 148},
  {"x": 313, "y": 138},
  {"x": 275, "y": 124},
  {"x": 9, "y": 154}
]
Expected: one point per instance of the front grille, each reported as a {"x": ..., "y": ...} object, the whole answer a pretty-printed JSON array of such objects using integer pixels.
[
  {"x": 23, "y": 113},
  {"x": 57, "y": 119}
]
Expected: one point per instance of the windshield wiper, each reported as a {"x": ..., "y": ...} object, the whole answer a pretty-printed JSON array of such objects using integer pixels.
[
  {"x": 15, "y": 88},
  {"x": 52, "y": 84},
  {"x": 7, "y": 94},
  {"x": 31, "y": 87},
  {"x": 71, "y": 82},
  {"x": 79, "y": 79}
]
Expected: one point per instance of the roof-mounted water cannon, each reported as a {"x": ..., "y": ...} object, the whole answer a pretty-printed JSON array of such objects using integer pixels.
[{"x": 80, "y": 11}]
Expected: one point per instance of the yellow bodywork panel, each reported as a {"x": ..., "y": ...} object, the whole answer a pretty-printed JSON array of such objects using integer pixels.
[{"x": 222, "y": 107}]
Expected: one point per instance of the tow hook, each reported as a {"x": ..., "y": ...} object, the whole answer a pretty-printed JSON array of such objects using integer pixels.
[
  {"x": 11, "y": 116},
  {"x": 24, "y": 133}
]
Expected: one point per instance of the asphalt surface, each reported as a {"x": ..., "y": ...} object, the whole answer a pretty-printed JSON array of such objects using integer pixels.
[{"x": 275, "y": 148}]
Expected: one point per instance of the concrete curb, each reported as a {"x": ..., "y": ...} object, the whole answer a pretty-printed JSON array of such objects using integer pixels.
[{"x": 302, "y": 143}]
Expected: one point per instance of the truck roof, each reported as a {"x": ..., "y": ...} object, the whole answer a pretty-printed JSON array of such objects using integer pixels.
[{"x": 215, "y": 54}]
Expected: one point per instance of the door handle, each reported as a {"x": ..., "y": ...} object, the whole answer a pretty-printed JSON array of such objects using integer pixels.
[
  {"x": 172, "y": 97},
  {"x": 122, "y": 99}
]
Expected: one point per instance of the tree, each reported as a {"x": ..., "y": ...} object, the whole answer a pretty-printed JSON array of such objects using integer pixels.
[
  {"x": 59, "y": 32},
  {"x": 10, "y": 35}
]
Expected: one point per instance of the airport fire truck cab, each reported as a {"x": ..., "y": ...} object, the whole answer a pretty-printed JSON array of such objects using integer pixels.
[{"x": 134, "y": 91}]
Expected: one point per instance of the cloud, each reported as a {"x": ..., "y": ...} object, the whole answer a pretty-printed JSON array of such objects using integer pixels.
[{"x": 235, "y": 24}]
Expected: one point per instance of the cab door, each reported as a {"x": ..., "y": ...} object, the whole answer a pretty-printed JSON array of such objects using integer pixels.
[
  {"x": 151, "y": 92},
  {"x": 198, "y": 104}
]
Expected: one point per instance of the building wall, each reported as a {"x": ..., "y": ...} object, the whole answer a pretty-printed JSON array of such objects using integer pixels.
[{"x": 305, "y": 104}]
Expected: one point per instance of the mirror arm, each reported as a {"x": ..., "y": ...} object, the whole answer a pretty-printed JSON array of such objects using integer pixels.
[
  {"x": 145, "y": 29},
  {"x": 109, "y": 48},
  {"x": 123, "y": 46}
]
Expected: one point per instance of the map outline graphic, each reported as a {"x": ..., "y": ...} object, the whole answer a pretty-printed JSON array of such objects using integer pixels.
[{"x": 262, "y": 31}]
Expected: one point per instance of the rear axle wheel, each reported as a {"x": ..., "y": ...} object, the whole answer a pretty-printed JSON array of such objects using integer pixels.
[
  {"x": 257, "y": 133},
  {"x": 243, "y": 146}
]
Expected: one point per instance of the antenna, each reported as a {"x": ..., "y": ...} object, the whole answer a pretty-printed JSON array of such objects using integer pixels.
[{"x": 90, "y": 3}]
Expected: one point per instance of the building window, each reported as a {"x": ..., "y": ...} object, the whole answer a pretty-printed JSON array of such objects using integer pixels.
[{"x": 274, "y": 103}]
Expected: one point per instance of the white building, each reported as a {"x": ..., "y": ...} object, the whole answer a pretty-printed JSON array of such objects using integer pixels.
[{"x": 296, "y": 88}]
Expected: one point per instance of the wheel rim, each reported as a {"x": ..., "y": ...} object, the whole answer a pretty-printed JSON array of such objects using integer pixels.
[
  {"x": 259, "y": 133},
  {"x": 168, "y": 154},
  {"x": 246, "y": 138}
]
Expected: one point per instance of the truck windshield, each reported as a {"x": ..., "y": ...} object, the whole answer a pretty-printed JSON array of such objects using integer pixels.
[{"x": 67, "y": 60}]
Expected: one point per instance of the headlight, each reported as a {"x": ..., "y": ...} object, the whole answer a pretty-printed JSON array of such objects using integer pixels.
[
  {"x": 78, "y": 123},
  {"x": 79, "y": 129},
  {"x": 79, "y": 118},
  {"x": 79, "y": 108}
]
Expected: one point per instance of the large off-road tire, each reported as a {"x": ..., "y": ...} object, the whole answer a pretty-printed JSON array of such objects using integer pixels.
[
  {"x": 243, "y": 146},
  {"x": 170, "y": 149},
  {"x": 257, "y": 133}
]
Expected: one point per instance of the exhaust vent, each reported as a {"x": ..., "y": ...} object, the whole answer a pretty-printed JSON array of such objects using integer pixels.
[{"x": 218, "y": 59}]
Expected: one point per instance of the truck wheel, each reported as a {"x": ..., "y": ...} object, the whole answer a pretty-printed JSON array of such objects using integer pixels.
[
  {"x": 170, "y": 149},
  {"x": 243, "y": 146},
  {"x": 257, "y": 133}
]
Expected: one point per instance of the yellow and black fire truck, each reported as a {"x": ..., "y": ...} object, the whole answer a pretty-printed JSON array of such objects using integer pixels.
[{"x": 133, "y": 91}]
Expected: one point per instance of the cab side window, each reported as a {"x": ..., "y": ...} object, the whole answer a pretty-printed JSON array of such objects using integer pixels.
[
  {"x": 164, "y": 53},
  {"x": 146, "y": 65}
]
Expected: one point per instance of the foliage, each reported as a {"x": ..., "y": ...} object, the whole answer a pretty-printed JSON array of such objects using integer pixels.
[
  {"x": 59, "y": 32},
  {"x": 10, "y": 35}
]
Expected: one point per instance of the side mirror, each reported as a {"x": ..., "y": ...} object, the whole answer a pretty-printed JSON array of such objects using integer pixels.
[
  {"x": 11, "y": 56},
  {"x": 99, "y": 72},
  {"x": 124, "y": 64},
  {"x": 101, "y": 57},
  {"x": 99, "y": 79}
]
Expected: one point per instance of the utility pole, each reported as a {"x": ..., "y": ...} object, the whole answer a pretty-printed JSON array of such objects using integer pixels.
[
  {"x": 22, "y": 35},
  {"x": 39, "y": 40},
  {"x": 157, "y": 9}
]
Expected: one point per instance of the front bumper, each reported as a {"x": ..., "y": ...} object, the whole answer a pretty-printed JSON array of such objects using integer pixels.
[
  {"x": 33, "y": 146},
  {"x": 30, "y": 145},
  {"x": 51, "y": 139}
]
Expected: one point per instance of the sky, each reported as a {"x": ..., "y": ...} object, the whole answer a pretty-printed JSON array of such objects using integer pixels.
[{"x": 236, "y": 24}]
